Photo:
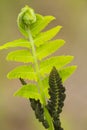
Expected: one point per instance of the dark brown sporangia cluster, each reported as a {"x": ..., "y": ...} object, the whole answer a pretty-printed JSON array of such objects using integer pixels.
[
  {"x": 55, "y": 103},
  {"x": 57, "y": 96}
]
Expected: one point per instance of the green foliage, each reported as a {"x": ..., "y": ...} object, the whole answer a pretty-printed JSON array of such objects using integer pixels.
[
  {"x": 49, "y": 48},
  {"x": 20, "y": 56},
  {"x": 40, "y": 24},
  {"x": 36, "y": 47},
  {"x": 57, "y": 61},
  {"x": 29, "y": 91},
  {"x": 16, "y": 43},
  {"x": 25, "y": 72},
  {"x": 65, "y": 73},
  {"x": 46, "y": 36}
]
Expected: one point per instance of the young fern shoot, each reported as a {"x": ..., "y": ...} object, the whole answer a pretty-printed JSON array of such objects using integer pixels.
[{"x": 46, "y": 92}]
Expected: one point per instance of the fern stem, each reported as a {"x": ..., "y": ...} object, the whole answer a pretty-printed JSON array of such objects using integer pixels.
[{"x": 40, "y": 84}]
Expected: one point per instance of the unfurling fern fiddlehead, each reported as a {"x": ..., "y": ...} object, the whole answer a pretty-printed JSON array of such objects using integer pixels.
[
  {"x": 57, "y": 96},
  {"x": 37, "y": 47}
]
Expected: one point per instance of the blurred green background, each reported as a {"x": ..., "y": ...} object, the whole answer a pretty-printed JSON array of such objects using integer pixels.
[{"x": 15, "y": 112}]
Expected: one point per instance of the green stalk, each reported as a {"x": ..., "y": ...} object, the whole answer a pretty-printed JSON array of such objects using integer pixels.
[
  {"x": 40, "y": 88},
  {"x": 40, "y": 84}
]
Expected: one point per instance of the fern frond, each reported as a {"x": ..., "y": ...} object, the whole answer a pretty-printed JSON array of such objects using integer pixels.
[
  {"x": 57, "y": 97},
  {"x": 29, "y": 91},
  {"x": 39, "y": 46},
  {"x": 16, "y": 43},
  {"x": 20, "y": 56},
  {"x": 25, "y": 72},
  {"x": 65, "y": 73},
  {"x": 49, "y": 48},
  {"x": 46, "y": 36},
  {"x": 57, "y": 61},
  {"x": 40, "y": 24}
]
